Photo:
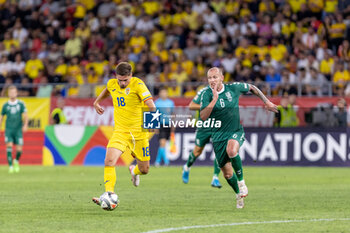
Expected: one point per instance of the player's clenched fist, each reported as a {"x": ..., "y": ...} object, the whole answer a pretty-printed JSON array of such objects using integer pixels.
[{"x": 99, "y": 109}]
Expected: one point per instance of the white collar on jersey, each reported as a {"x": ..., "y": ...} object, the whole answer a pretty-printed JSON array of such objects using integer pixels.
[
  {"x": 13, "y": 103},
  {"x": 222, "y": 90}
]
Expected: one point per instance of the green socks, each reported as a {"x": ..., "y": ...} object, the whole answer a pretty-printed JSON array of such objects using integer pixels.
[
  {"x": 216, "y": 168},
  {"x": 233, "y": 183},
  {"x": 18, "y": 155},
  {"x": 9, "y": 155},
  {"x": 191, "y": 160},
  {"x": 237, "y": 166}
]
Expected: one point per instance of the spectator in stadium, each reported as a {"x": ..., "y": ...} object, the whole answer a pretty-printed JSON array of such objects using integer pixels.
[
  {"x": 17, "y": 67},
  {"x": 265, "y": 28},
  {"x": 57, "y": 115},
  {"x": 106, "y": 9},
  {"x": 310, "y": 39},
  {"x": 190, "y": 92},
  {"x": 128, "y": 19},
  {"x": 145, "y": 24},
  {"x": 192, "y": 50},
  {"x": 288, "y": 81},
  {"x": 340, "y": 112},
  {"x": 33, "y": 66},
  {"x": 5, "y": 66},
  {"x": 45, "y": 89},
  {"x": 73, "y": 46},
  {"x": 315, "y": 84},
  {"x": 166, "y": 108},
  {"x": 269, "y": 62},
  {"x": 337, "y": 31},
  {"x": 273, "y": 79},
  {"x": 173, "y": 89},
  {"x": 286, "y": 116},
  {"x": 25, "y": 88},
  {"x": 340, "y": 78},
  {"x": 278, "y": 51},
  {"x": 229, "y": 63},
  {"x": 208, "y": 39},
  {"x": 327, "y": 65}
]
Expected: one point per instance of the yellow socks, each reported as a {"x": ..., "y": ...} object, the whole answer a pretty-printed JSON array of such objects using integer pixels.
[
  {"x": 136, "y": 170},
  {"x": 110, "y": 178}
]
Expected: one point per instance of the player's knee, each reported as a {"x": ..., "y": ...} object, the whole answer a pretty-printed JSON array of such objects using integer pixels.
[
  {"x": 228, "y": 175},
  {"x": 232, "y": 153}
]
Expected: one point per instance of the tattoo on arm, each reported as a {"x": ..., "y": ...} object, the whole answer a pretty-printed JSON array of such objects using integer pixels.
[{"x": 258, "y": 93}]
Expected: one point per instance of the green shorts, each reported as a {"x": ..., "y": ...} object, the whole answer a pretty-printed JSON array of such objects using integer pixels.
[
  {"x": 14, "y": 135},
  {"x": 202, "y": 136},
  {"x": 220, "y": 148}
]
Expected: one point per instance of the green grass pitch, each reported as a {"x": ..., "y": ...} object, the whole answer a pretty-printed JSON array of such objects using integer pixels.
[{"x": 58, "y": 199}]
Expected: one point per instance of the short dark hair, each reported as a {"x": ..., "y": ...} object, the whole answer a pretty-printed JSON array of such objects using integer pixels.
[
  {"x": 123, "y": 69},
  {"x": 163, "y": 88}
]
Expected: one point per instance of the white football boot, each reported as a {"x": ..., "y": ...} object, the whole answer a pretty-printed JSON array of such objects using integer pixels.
[
  {"x": 134, "y": 178},
  {"x": 243, "y": 189},
  {"x": 240, "y": 201}
]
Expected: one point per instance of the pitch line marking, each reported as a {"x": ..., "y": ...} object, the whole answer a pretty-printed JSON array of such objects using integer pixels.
[{"x": 246, "y": 223}]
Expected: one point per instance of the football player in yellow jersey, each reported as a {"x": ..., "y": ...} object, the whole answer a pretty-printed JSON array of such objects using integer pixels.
[{"x": 130, "y": 96}]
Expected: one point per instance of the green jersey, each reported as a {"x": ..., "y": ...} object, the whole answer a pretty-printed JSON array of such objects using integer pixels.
[
  {"x": 225, "y": 110},
  {"x": 13, "y": 112}
]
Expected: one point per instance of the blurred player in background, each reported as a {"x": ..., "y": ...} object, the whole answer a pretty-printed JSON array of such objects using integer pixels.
[
  {"x": 166, "y": 108},
  {"x": 130, "y": 95},
  {"x": 221, "y": 102},
  {"x": 15, "y": 110},
  {"x": 202, "y": 138}
]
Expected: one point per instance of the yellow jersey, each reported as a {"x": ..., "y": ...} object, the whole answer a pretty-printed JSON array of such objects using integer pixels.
[{"x": 129, "y": 104}]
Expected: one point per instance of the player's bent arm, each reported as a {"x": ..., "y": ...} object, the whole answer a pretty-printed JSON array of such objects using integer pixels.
[
  {"x": 151, "y": 105},
  {"x": 104, "y": 94},
  {"x": 25, "y": 118},
  {"x": 269, "y": 105},
  {"x": 205, "y": 113},
  {"x": 194, "y": 106}
]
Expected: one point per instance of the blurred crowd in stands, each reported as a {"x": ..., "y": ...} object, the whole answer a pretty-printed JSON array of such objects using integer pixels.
[{"x": 285, "y": 47}]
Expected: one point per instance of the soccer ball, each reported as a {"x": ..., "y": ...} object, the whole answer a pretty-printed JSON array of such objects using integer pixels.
[{"x": 109, "y": 201}]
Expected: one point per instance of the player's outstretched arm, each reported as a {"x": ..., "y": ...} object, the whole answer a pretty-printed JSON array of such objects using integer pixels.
[
  {"x": 194, "y": 106},
  {"x": 104, "y": 94},
  {"x": 268, "y": 104}
]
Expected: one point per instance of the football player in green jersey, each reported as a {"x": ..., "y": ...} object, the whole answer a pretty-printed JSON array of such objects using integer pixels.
[
  {"x": 220, "y": 102},
  {"x": 202, "y": 138},
  {"x": 14, "y": 110}
]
